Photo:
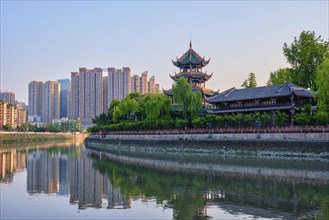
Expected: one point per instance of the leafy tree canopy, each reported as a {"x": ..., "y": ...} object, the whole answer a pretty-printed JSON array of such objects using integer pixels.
[
  {"x": 304, "y": 55},
  {"x": 190, "y": 102},
  {"x": 280, "y": 76},
  {"x": 250, "y": 82},
  {"x": 322, "y": 83}
]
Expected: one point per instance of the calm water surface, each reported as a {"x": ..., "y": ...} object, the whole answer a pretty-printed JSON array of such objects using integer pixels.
[{"x": 61, "y": 181}]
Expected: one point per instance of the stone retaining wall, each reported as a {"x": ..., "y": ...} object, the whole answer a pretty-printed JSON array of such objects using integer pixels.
[{"x": 306, "y": 137}]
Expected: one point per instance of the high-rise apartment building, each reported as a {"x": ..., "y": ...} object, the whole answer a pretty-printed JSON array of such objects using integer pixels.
[
  {"x": 118, "y": 83},
  {"x": 51, "y": 101},
  {"x": 157, "y": 88},
  {"x": 21, "y": 116},
  {"x": 144, "y": 83},
  {"x": 64, "y": 97},
  {"x": 74, "y": 96},
  {"x": 3, "y": 113},
  {"x": 151, "y": 85},
  {"x": 35, "y": 98},
  {"x": 135, "y": 83},
  {"x": 11, "y": 116},
  {"x": 90, "y": 94},
  {"x": 105, "y": 93},
  {"x": 7, "y": 96}
]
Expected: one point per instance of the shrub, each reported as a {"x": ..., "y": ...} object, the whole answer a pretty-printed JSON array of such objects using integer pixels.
[
  {"x": 321, "y": 118},
  {"x": 302, "y": 119},
  {"x": 181, "y": 123}
]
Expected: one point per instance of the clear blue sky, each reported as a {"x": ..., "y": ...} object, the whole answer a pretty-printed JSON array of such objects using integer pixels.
[{"x": 48, "y": 40}]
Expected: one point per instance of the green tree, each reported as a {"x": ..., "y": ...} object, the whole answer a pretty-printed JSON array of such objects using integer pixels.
[
  {"x": 280, "y": 76},
  {"x": 250, "y": 82},
  {"x": 157, "y": 106},
  {"x": 322, "y": 83},
  {"x": 110, "y": 111},
  {"x": 304, "y": 55},
  {"x": 189, "y": 102},
  {"x": 101, "y": 119},
  {"x": 125, "y": 109}
]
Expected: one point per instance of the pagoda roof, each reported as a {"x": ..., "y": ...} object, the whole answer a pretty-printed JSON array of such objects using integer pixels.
[
  {"x": 190, "y": 57},
  {"x": 280, "y": 90},
  {"x": 193, "y": 75}
]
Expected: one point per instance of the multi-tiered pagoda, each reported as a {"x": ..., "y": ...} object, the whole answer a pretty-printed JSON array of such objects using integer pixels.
[{"x": 190, "y": 67}]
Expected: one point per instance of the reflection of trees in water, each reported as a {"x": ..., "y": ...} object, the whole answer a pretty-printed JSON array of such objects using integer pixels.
[{"x": 186, "y": 193}]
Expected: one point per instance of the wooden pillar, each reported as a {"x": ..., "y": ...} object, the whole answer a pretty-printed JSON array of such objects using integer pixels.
[{"x": 292, "y": 112}]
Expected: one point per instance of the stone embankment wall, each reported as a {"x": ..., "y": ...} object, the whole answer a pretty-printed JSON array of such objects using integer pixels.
[
  {"x": 283, "y": 137},
  {"x": 17, "y": 137}
]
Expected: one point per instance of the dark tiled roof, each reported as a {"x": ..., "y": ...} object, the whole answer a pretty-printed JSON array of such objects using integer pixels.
[
  {"x": 193, "y": 75},
  {"x": 267, "y": 108},
  {"x": 281, "y": 90},
  {"x": 191, "y": 57}
]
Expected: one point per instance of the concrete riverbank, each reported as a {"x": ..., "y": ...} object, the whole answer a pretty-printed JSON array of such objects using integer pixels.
[
  {"x": 276, "y": 137},
  {"x": 25, "y": 137},
  {"x": 271, "y": 144}
]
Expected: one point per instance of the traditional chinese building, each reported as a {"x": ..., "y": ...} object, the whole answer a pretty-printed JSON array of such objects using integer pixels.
[
  {"x": 191, "y": 66},
  {"x": 284, "y": 97}
]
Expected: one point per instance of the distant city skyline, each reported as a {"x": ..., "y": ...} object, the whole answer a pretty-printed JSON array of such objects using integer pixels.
[{"x": 48, "y": 40}]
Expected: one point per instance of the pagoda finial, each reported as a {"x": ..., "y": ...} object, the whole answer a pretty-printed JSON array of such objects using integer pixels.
[{"x": 190, "y": 44}]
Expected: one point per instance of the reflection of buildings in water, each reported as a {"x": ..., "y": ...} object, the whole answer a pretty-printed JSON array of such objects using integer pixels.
[
  {"x": 90, "y": 181},
  {"x": 49, "y": 172},
  {"x": 42, "y": 172},
  {"x": 88, "y": 186},
  {"x": 64, "y": 177},
  {"x": 11, "y": 161},
  {"x": 116, "y": 200}
]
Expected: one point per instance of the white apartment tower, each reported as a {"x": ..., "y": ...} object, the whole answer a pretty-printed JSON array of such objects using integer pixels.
[
  {"x": 51, "y": 101},
  {"x": 35, "y": 98},
  {"x": 118, "y": 83}
]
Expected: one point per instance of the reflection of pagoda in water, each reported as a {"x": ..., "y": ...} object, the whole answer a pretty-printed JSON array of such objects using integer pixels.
[{"x": 190, "y": 67}]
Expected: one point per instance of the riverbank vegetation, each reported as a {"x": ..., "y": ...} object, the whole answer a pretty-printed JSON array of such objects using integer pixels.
[{"x": 309, "y": 59}]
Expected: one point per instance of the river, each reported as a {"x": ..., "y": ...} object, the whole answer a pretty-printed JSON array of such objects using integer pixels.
[{"x": 65, "y": 181}]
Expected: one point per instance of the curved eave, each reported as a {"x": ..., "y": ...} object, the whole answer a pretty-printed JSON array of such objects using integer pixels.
[
  {"x": 168, "y": 92},
  {"x": 176, "y": 63},
  {"x": 208, "y": 76},
  {"x": 172, "y": 77}
]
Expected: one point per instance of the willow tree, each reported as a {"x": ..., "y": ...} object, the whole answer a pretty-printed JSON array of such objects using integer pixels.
[
  {"x": 189, "y": 102},
  {"x": 322, "y": 83},
  {"x": 157, "y": 106},
  {"x": 125, "y": 109}
]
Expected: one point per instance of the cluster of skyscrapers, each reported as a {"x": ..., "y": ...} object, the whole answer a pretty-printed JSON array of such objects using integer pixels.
[
  {"x": 87, "y": 94},
  {"x": 44, "y": 101}
]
